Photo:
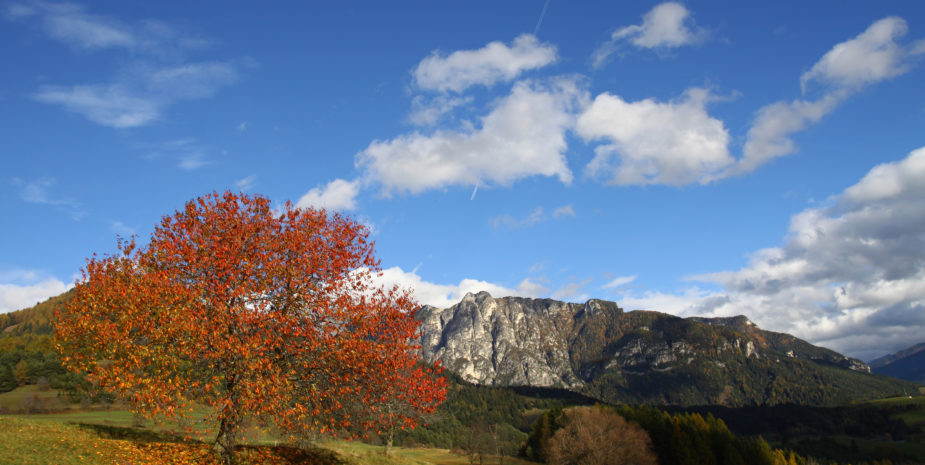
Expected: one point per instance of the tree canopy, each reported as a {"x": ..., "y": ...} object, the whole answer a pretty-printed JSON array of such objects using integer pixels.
[{"x": 264, "y": 315}]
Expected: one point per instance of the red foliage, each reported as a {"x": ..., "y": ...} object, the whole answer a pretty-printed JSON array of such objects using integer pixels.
[{"x": 255, "y": 312}]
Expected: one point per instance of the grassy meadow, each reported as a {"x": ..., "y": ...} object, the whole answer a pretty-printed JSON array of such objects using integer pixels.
[{"x": 73, "y": 435}]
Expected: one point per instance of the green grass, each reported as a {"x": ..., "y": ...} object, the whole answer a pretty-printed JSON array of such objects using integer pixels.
[
  {"x": 108, "y": 437},
  {"x": 19, "y": 398},
  {"x": 912, "y": 410},
  {"x": 28, "y": 442},
  {"x": 365, "y": 454}
]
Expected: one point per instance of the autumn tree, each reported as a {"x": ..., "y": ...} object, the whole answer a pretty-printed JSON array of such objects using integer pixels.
[
  {"x": 265, "y": 315},
  {"x": 397, "y": 404},
  {"x": 596, "y": 436}
]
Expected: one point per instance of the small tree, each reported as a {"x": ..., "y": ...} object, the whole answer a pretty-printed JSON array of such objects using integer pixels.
[
  {"x": 21, "y": 372},
  {"x": 263, "y": 315},
  {"x": 396, "y": 404},
  {"x": 595, "y": 436}
]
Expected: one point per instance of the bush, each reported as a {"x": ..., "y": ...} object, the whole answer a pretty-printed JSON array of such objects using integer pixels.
[{"x": 595, "y": 436}]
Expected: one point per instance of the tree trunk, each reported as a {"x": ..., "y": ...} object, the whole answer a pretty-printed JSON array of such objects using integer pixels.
[
  {"x": 388, "y": 442},
  {"x": 227, "y": 437},
  {"x": 226, "y": 440}
]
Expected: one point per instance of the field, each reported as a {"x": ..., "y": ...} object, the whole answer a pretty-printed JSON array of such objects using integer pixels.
[
  {"x": 108, "y": 438},
  {"x": 910, "y": 410}
]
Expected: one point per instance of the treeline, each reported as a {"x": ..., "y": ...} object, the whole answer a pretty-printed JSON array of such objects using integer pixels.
[
  {"x": 486, "y": 418},
  {"x": 30, "y": 359},
  {"x": 479, "y": 420},
  {"x": 27, "y": 354},
  {"x": 674, "y": 439}
]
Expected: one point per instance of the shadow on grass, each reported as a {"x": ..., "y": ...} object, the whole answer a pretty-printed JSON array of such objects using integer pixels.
[
  {"x": 295, "y": 455},
  {"x": 133, "y": 434},
  {"x": 258, "y": 454}
]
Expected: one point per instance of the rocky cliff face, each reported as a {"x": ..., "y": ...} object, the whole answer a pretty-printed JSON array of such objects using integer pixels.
[{"x": 598, "y": 349}]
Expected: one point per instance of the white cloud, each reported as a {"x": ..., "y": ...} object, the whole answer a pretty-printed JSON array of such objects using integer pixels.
[
  {"x": 156, "y": 76},
  {"x": 650, "y": 142},
  {"x": 247, "y": 183},
  {"x": 529, "y": 288},
  {"x": 189, "y": 81},
  {"x": 536, "y": 216},
  {"x": 446, "y": 295},
  {"x": 573, "y": 291},
  {"x": 524, "y": 135},
  {"x": 108, "y": 105},
  {"x": 850, "y": 276},
  {"x": 37, "y": 192},
  {"x": 493, "y": 63},
  {"x": 619, "y": 281},
  {"x": 508, "y": 221},
  {"x": 21, "y": 289},
  {"x": 71, "y": 25},
  {"x": 563, "y": 212},
  {"x": 336, "y": 195},
  {"x": 685, "y": 303},
  {"x": 870, "y": 57},
  {"x": 769, "y": 136},
  {"x": 667, "y": 25},
  {"x": 428, "y": 111}
]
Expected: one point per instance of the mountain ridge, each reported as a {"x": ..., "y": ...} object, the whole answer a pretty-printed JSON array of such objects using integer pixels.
[
  {"x": 908, "y": 364},
  {"x": 598, "y": 349}
]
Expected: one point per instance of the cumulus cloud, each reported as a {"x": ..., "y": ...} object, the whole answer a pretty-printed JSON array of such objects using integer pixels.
[
  {"x": 446, "y": 295},
  {"x": 667, "y": 25},
  {"x": 524, "y": 135},
  {"x": 684, "y": 303},
  {"x": 650, "y": 142},
  {"x": 850, "y": 276},
  {"x": 21, "y": 289},
  {"x": 871, "y": 57},
  {"x": 486, "y": 66},
  {"x": 428, "y": 111},
  {"x": 336, "y": 195},
  {"x": 156, "y": 76}
]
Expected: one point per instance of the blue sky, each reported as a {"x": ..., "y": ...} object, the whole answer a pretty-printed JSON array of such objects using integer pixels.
[{"x": 705, "y": 158}]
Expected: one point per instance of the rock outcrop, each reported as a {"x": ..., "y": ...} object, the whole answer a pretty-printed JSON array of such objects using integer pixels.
[{"x": 597, "y": 349}]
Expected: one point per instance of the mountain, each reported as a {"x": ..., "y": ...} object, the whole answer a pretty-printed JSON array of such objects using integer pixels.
[
  {"x": 599, "y": 350},
  {"x": 908, "y": 364}
]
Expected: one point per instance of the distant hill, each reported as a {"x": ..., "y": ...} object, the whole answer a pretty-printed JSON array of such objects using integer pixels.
[
  {"x": 908, "y": 364},
  {"x": 33, "y": 320},
  {"x": 599, "y": 350}
]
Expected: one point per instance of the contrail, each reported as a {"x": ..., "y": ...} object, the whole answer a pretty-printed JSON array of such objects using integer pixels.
[
  {"x": 542, "y": 14},
  {"x": 472, "y": 197}
]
